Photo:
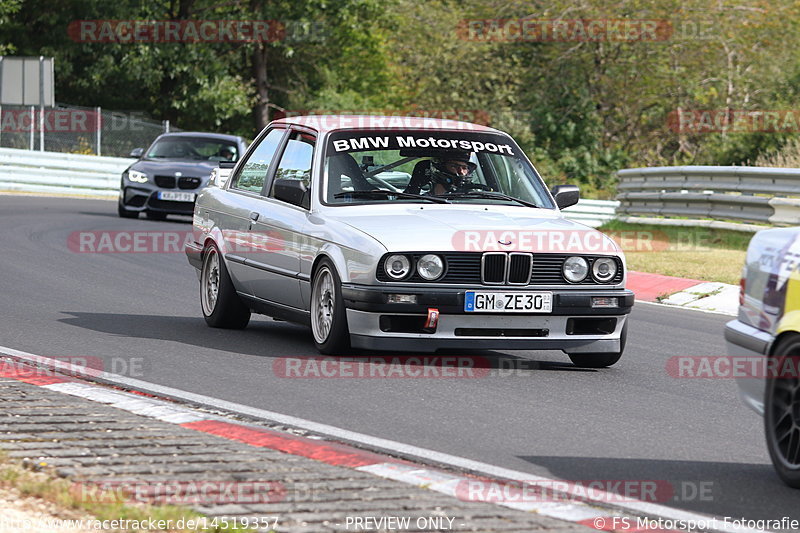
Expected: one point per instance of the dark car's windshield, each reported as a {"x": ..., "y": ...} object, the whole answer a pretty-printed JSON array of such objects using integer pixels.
[
  {"x": 461, "y": 167},
  {"x": 193, "y": 149}
]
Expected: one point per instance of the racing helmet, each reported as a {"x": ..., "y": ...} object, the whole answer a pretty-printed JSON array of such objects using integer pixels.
[{"x": 452, "y": 170}]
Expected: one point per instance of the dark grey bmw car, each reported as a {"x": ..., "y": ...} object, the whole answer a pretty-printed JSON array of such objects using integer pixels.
[{"x": 169, "y": 174}]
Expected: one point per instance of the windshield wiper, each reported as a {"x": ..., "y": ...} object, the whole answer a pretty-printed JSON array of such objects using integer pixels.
[
  {"x": 398, "y": 194},
  {"x": 486, "y": 194}
]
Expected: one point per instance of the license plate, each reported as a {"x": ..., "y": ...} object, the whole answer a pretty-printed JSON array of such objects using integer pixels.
[
  {"x": 508, "y": 302},
  {"x": 176, "y": 196}
]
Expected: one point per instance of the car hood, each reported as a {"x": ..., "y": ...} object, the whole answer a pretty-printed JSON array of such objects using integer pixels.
[
  {"x": 475, "y": 228},
  {"x": 196, "y": 169}
]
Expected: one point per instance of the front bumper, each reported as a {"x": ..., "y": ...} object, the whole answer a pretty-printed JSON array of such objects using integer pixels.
[
  {"x": 144, "y": 197},
  {"x": 743, "y": 340},
  {"x": 573, "y": 326}
]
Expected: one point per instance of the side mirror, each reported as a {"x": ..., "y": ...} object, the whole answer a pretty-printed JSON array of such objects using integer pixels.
[
  {"x": 294, "y": 192},
  {"x": 137, "y": 152},
  {"x": 565, "y": 195}
]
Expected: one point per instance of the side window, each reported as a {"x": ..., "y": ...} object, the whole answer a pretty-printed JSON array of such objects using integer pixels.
[
  {"x": 253, "y": 174},
  {"x": 295, "y": 162}
]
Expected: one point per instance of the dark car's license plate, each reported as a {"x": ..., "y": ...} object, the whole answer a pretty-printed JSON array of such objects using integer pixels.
[{"x": 176, "y": 196}]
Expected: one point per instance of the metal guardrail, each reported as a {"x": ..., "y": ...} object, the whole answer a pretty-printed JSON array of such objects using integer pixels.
[
  {"x": 56, "y": 172},
  {"x": 752, "y": 195},
  {"x": 592, "y": 212}
]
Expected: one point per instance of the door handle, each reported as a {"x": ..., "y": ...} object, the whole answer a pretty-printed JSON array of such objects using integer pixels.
[{"x": 254, "y": 216}]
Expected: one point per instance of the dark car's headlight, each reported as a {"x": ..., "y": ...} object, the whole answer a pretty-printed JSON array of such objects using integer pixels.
[
  {"x": 430, "y": 267},
  {"x": 137, "y": 177},
  {"x": 604, "y": 269},
  {"x": 397, "y": 266}
]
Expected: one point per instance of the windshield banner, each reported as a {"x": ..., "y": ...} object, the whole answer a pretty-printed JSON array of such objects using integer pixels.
[{"x": 417, "y": 142}]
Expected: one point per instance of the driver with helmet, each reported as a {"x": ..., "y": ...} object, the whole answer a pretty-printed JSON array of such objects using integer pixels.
[{"x": 449, "y": 173}]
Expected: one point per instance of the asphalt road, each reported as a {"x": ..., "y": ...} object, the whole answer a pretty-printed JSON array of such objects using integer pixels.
[{"x": 633, "y": 421}]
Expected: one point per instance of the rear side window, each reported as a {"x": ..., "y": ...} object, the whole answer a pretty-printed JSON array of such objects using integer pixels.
[{"x": 253, "y": 174}]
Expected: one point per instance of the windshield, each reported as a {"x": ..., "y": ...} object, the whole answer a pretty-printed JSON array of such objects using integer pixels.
[
  {"x": 456, "y": 167},
  {"x": 193, "y": 149}
]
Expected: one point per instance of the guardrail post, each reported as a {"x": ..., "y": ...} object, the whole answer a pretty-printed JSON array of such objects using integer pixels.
[
  {"x": 98, "y": 116},
  {"x": 41, "y": 103},
  {"x": 33, "y": 121}
]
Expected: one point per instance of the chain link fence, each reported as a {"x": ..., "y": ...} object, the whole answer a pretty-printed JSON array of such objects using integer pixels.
[{"x": 77, "y": 130}]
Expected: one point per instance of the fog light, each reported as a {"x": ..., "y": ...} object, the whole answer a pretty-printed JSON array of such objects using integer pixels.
[
  {"x": 605, "y": 301},
  {"x": 401, "y": 298}
]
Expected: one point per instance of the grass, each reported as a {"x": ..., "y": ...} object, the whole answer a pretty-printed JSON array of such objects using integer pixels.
[
  {"x": 34, "y": 482},
  {"x": 699, "y": 253}
]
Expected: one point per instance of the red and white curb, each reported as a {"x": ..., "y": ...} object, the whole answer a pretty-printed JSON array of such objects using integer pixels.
[
  {"x": 577, "y": 506},
  {"x": 686, "y": 293}
]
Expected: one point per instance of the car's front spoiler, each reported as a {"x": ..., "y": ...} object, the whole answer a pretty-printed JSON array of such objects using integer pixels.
[
  {"x": 495, "y": 331},
  {"x": 366, "y": 342}
]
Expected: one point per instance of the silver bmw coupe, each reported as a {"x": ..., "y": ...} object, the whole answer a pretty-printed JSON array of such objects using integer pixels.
[{"x": 403, "y": 233}]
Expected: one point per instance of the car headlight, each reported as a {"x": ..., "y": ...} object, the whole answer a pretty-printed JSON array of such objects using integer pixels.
[
  {"x": 430, "y": 267},
  {"x": 397, "y": 266},
  {"x": 137, "y": 177},
  {"x": 575, "y": 269},
  {"x": 604, "y": 269}
]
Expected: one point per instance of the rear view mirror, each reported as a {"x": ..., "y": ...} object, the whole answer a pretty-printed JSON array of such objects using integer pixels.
[
  {"x": 565, "y": 195},
  {"x": 294, "y": 192},
  {"x": 137, "y": 152}
]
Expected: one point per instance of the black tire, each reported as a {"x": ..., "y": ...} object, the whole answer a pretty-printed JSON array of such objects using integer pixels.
[
  {"x": 154, "y": 215},
  {"x": 125, "y": 213},
  {"x": 328, "y": 317},
  {"x": 222, "y": 307},
  {"x": 601, "y": 360},
  {"x": 782, "y": 414}
]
